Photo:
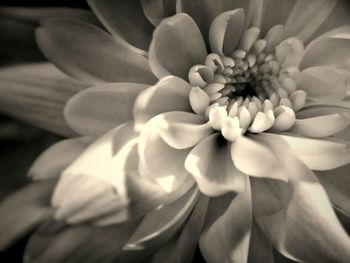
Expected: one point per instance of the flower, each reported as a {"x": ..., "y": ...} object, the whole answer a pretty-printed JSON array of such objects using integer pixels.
[{"x": 233, "y": 147}]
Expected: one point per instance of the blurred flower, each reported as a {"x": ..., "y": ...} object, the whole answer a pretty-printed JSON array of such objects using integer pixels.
[{"x": 226, "y": 133}]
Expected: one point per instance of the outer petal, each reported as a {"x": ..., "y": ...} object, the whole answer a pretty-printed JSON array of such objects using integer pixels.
[
  {"x": 79, "y": 243},
  {"x": 336, "y": 183},
  {"x": 211, "y": 165},
  {"x": 58, "y": 157},
  {"x": 126, "y": 22},
  {"x": 182, "y": 248},
  {"x": 71, "y": 44},
  {"x": 159, "y": 226},
  {"x": 24, "y": 210},
  {"x": 298, "y": 214},
  {"x": 103, "y": 183},
  {"x": 169, "y": 94},
  {"x": 159, "y": 161},
  {"x": 36, "y": 93},
  {"x": 97, "y": 110},
  {"x": 324, "y": 84},
  {"x": 307, "y": 16},
  {"x": 318, "y": 154},
  {"x": 227, "y": 239},
  {"x": 172, "y": 51},
  {"x": 337, "y": 41}
]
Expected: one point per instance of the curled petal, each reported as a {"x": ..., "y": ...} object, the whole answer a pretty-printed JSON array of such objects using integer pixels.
[
  {"x": 172, "y": 51},
  {"x": 210, "y": 163},
  {"x": 156, "y": 10},
  {"x": 169, "y": 94},
  {"x": 112, "y": 106}
]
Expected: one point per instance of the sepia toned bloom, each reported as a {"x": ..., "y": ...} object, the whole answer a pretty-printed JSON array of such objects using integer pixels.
[{"x": 219, "y": 123}]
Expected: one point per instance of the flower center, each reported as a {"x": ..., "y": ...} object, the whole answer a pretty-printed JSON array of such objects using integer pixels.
[{"x": 251, "y": 91}]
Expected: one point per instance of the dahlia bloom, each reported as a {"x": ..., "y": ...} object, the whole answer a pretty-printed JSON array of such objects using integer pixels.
[{"x": 231, "y": 132}]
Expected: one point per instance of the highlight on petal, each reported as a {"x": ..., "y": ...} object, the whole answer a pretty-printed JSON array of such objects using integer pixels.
[
  {"x": 136, "y": 33},
  {"x": 71, "y": 45},
  {"x": 23, "y": 210},
  {"x": 324, "y": 84},
  {"x": 336, "y": 183},
  {"x": 172, "y": 52},
  {"x": 36, "y": 93},
  {"x": 112, "y": 105},
  {"x": 256, "y": 159},
  {"x": 314, "y": 126},
  {"x": 159, "y": 161},
  {"x": 317, "y": 154},
  {"x": 159, "y": 226},
  {"x": 183, "y": 246},
  {"x": 58, "y": 157},
  {"x": 226, "y": 31},
  {"x": 103, "y": 185},
  {"x": 211, "y": 165},
  {"x": 169, "y": 94},
  {"x": 330, "y": 49},
  {"x": 78, "y": 243},
  {"x": 290, "y": 52},
  {"x": 307, "y": 16},
  {"x": 227, "y": 238}
]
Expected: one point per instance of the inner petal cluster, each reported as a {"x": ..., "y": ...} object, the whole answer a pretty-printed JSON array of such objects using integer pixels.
[{"x": 252, "y": 90}]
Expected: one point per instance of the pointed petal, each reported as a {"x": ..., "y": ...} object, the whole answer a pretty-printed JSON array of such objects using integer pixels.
[
  {"x": 307, "y": 16},
  {"x": 36, "y": 93},
  {"x": 159, "y": 161},
  {"x": 324, "y": 84},
  {"x": 24, "y": 210},
  {"x": 260, "y": 248},
  {"x": 58, "y": 157},
  {"x": 172, "y": 51},
  {"x": 182, "y": 248},
  {"x": 227, "y": 239},
  {"x": 112, "y": 105},
  {"x": 169, "y": 94},
  {"x": 103, "y": 183},
  {"x": 226, "y": 31},
  {"x": 182, "y": 130},
  {"x": 298, "y": 214},
  {"x": 77, "y": 243},
  {"x": 336, "y": 183},
  {"x": 317, "y": 53},
  {"x": 210, "y": 163},
  {"x": 314, "y": 127},
  {"x": 137, "y": 31},
  {"x": 159, "y": 226},
  {"x": 156, "y": 10},
  {"x": 256, "y": 159},
  {"x": 71, "y": 44}
]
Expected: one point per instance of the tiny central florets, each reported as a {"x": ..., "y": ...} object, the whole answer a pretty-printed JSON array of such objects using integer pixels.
[{"x": 253, "y": 90}]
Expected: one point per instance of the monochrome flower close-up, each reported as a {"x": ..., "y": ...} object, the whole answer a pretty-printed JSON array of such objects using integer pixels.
[{"x": 222, "y": 125}]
